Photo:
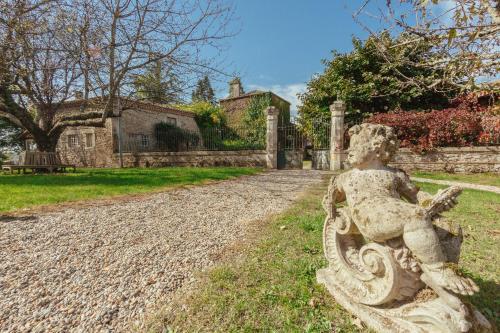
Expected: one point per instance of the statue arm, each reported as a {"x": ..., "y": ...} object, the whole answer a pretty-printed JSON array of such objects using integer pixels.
[{"x": 411, "y": 192}]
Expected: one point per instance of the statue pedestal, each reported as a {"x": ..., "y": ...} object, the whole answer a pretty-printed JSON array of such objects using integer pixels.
[
  {"x": 383, "y": 250},
  {"x": 426, "y": 316}
]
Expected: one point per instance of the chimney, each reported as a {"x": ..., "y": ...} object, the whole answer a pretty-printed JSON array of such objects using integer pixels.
[
  {"x": 78, "y": 94},
  {"x": 235, "y": 88}
]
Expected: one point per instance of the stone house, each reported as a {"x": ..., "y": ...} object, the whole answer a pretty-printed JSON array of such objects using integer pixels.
[
  {"x": 98, "y": 146},
  {"x": 236, "y": 103}
]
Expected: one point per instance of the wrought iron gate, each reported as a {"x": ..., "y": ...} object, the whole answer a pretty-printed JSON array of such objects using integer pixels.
[
  {"x": 294, "y": 142},
  {"x": 290, "y": 147},
  {"x": 319, "y": 144}
]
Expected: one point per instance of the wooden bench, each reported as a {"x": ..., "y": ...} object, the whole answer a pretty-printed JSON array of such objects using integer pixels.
[{"x": 37, "y": 161}]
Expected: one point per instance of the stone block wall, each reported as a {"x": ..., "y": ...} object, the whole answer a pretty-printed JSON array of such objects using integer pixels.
[
  {"x": 99, "y": 155},
  {"x": 449, "y": 159},
  {"x": 235, "y": 107},
  {"x": 290, "y": 159},
  {"x": 243, "y": 158},
  {"x": 320, "y": 159},
  {"x": 143, "y": 122},
  {"x": 134, "y": 122},
  {"x": 234, "y": 110}
]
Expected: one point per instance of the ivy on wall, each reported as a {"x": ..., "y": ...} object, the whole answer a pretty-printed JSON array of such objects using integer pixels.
[{"x": 254, "y": 120}]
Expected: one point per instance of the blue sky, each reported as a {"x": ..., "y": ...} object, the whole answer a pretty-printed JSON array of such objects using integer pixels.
[{"x": 281, "y": 43}]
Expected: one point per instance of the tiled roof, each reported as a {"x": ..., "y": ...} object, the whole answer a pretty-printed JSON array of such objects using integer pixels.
[
  {"x": 253, "y": 93},
  {"x": 129, "y": 103}
]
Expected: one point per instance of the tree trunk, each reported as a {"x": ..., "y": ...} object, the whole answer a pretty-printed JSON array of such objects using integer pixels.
[{"x": 45, "y": 142}]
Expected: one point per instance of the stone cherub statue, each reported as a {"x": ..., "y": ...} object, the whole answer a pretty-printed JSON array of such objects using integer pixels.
[{"x": 389, "y": 241}]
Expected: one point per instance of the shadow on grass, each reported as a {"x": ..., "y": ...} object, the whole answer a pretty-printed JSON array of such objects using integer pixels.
[
  {"x": 143, "y": 178},
  {"x": 487, "y": 300},
  {"x": 20, "y": 191}
]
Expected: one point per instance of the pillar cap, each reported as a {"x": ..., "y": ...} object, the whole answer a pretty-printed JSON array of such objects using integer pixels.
[
  {"x": 272, "y": 110},
  {"x": 338, "y": 108}
]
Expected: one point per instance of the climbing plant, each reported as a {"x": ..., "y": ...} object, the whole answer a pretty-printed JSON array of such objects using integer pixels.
[{"x": 254, "y": 118}]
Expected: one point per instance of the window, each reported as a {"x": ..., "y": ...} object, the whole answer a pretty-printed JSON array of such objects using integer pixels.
[
  {"x": 144, "y": 140},
  {"x": 89, "y": 140},
  {"x": 139, "y": 140},
  {"x": 172, "y": 121},
  {"x": 72, "y": 140}
]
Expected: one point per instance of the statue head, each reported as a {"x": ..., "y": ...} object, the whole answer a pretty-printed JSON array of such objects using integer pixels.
[{"x": 371, "y": 145}]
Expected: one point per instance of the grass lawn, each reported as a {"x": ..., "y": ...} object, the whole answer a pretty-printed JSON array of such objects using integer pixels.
[
  {"x": 21, "y": 191},
  {"x": 474, "y": 178},
  {"x": 270, "y": 285}
]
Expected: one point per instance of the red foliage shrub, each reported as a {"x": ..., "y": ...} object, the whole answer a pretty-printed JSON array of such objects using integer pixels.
[
  {"x": 466, "y": 123},
  {"x": 490, "y": 133},
  {"x": 411, "y": 127}
]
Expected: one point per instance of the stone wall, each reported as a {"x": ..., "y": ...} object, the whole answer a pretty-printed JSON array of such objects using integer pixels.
[
  {"x": 143, "y": 122},
  {"x": 243, "y": 158},
  {"x": 290, "y": 159},
  {"x": 98, "y": 154},
  {"x": 320, "y": 159},
  {"x": 133, "y": 122},
  {"x": 463, "y": 159},
  {"x": 235, "y": 107}
]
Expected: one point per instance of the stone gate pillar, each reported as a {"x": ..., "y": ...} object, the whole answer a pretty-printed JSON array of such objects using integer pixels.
[
  {"x": 337, "y": 135},
  {"x": 272, "y": 137}
]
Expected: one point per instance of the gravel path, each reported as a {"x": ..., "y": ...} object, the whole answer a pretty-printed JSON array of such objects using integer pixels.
[
  {"x": 488, "y": 188},
  {"x": 102, "y": 268}
]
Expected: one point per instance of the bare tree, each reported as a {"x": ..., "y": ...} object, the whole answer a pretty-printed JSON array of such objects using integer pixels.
[
  {"x": 145, "y": 32},
  {"x": 51, "y": 49},
  {"x": 465, "y": 35},
  {"x": 38, "y": 66}
]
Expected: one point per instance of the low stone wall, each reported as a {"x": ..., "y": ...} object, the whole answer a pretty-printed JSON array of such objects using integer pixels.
[
  {"x": 320, "y": 159},
  {"x": 291, "y": 159},
  {"x": 463, "y": 159},
  {"x": 248, "y": 158}
]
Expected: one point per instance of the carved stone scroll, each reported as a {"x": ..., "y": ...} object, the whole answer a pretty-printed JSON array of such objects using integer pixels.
[{"x": 382, "y": 281}]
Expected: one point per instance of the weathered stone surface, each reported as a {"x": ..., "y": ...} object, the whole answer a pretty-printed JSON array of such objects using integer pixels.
[
  {"x": 337, "y": 110},
  {"x": 237, "y": 102},
  {"x": 450, "y": 159},
  {"x": 133, "y": 122},
  {"x": 272, "y": 137},
  {"x": 411, "y": 317},
  {"x": 320, "y": 159},
  {"x": 242, "y": 158},
  {"x": 390, "y": 242},
  {"x": 293, "y": 159}
]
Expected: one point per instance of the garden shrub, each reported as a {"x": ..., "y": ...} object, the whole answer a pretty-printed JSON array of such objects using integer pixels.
[
  {"x": 490, "y": 133},
  {"x": 172, "y": 138},
  {"x": 207, "y": 115},
  {"x": 465, "y": 123},
  {"x": 211, "y": 120}
]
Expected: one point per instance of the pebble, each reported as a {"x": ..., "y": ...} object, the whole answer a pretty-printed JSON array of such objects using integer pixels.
[{"x": 104, "y": 268}]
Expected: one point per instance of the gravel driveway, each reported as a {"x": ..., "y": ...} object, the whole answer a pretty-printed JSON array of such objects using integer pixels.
[{"x": 102, "y": 268}]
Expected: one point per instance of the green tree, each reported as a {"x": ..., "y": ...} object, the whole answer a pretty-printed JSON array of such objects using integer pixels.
[
  {"x": 465, "y": 35},
  {"x": 159, "y": 84},
  {"x": 50, "y": 50},
  {"x": 369, "y": 84},
  {"x": 203, "y": 91},
  {"x": 9, "y": 138},
  {"x": 207, "y": 115}
]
